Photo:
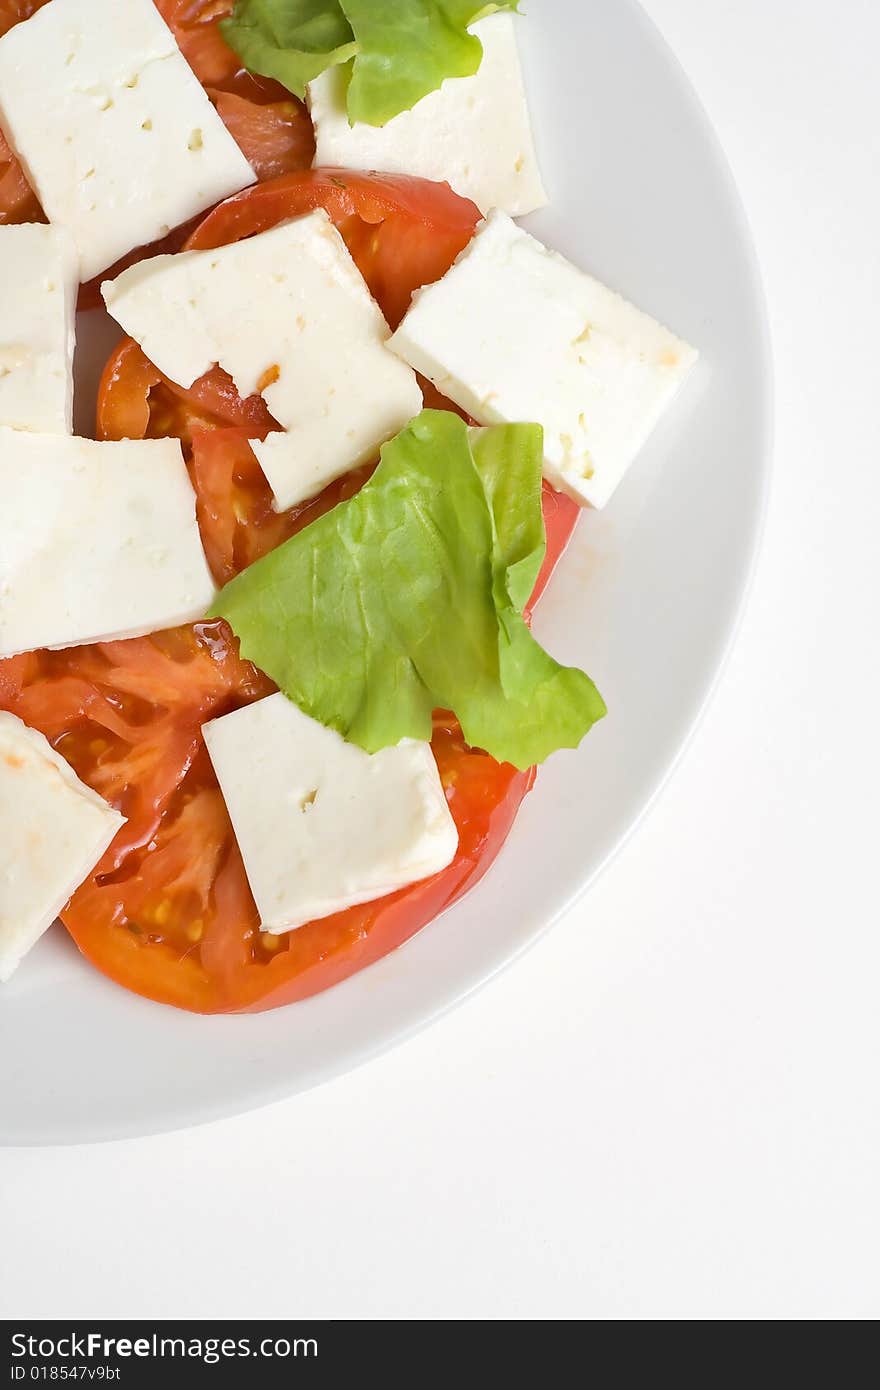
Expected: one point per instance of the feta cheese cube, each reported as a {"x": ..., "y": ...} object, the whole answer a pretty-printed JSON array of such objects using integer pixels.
[
  {"x": 287, "y": 314},
  {"x": 321, "y": 824},
  {"x": 53, "y": 831},
  {"x": 39, "y": 280},
  {"x": 474, "y": 133},
  {"x": 515, "y": 333},
  {"x": 113, "y": 129},
  {"x": 97, "y": 541}
]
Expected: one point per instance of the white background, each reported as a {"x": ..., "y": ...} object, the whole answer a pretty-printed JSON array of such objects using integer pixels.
[{"x": 669, "y": 1109}]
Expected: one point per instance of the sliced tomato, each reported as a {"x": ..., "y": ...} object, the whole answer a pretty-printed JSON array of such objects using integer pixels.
[
  {"x": 168, "y": 913},
  {"x": 136, "y": 401},
  {"x": 127, "y": 716},
  {"x": 561, "y": 514},
  {"x": 238, "y": 521},
  {"x": 403, "y": 233},
  {"x": 277, "y": 137}
]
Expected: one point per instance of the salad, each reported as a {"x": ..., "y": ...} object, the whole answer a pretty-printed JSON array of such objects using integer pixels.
[{"x": 269, "y": 696}]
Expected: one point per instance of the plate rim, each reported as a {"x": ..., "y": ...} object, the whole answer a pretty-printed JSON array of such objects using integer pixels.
[{"x": 357, "y": 1053}]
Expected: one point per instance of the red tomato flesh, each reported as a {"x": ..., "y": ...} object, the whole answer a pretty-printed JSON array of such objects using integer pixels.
[{"x": 168, "y": 912}]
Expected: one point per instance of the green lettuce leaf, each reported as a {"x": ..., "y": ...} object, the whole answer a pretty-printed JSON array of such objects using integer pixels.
[
  {"x": 505, "y": 458},
  {"x": 292, "y": 41},
  {"x": 407, "y": 49},
  {"x": 409, "y": 598},
  {"x": 402, "y": 50}
]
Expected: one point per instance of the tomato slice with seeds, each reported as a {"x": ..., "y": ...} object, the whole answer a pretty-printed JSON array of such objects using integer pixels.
[
  {"x": 403, "y": 232},
  {"x": 168, "y": 912}
]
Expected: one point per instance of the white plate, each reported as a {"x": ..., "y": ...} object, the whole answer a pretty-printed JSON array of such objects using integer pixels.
[{"x": 647, "y": 601}]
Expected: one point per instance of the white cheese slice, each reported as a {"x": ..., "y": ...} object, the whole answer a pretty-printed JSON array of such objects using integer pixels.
[
  {"x": 474, "y": 133},
  {"x": 39, "y": 280},
  {"x": 113, "y": 129},
  {"x": 53, "y": 831},
  {"x": 514, "y": 333},
  {"x": 288, "y": 314},
  {"x": 322, "y": 825},
  {"x": 97, "y": 541}
]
